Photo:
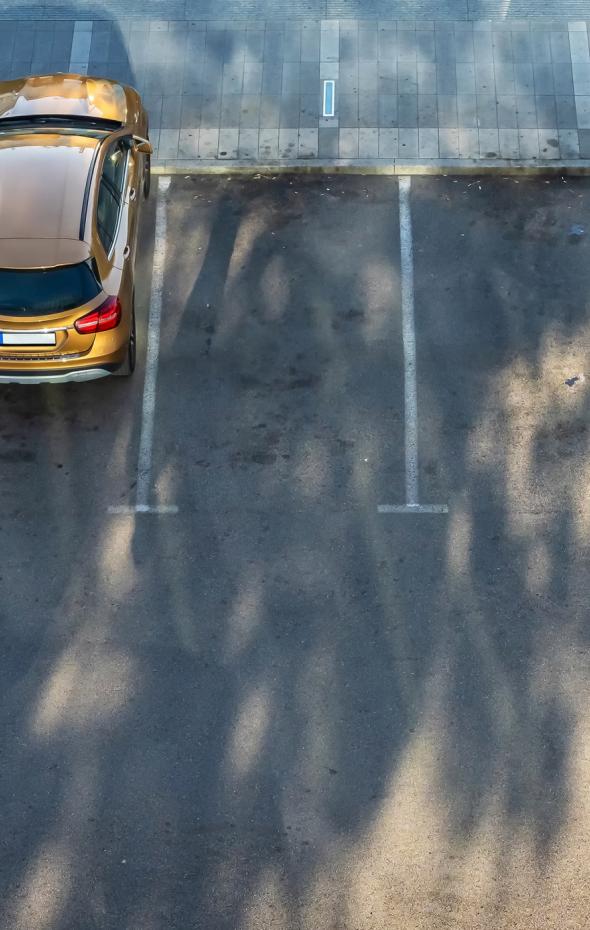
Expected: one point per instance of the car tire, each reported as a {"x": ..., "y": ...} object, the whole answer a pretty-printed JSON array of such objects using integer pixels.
[
  {"x": 128, "y": 366},
  {"x": 147, "y": 176}
]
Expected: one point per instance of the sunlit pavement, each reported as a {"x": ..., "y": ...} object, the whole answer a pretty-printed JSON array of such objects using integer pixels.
[{"x": 278, "y": 707}]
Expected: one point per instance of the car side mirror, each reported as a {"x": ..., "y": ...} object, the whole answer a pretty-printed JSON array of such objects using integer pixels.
[{"x": 143, "y": 146}]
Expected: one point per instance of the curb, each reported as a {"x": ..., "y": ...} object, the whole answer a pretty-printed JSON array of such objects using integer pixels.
[{"x": 578, "y": 167}]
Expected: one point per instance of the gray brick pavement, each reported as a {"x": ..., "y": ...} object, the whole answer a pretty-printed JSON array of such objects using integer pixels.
[
  {"x": 220, "y": 90},
  {"x": 264, "y": 10}
]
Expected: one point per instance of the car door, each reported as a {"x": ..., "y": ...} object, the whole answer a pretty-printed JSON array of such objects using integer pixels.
[
  {"x": 111, "y": 202},
  {"x": 125, "y": 165},
  {"x": 116, "y": 220}
]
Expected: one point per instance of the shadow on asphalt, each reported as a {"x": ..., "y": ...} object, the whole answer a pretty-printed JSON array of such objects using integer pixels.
[
  {"x": 287, "y": 710},
  {"x": 410, "y": 692}
]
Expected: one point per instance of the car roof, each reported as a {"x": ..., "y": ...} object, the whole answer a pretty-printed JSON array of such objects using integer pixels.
[{"x": 43, "y": 182}]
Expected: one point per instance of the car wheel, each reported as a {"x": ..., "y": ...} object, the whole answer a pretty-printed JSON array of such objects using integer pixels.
[
  {"x": 128, "y": 366},
  {"x": 147, "y": 176}
]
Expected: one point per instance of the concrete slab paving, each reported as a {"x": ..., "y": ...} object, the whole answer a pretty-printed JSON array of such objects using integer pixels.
[{"x": 471, "y": 81}]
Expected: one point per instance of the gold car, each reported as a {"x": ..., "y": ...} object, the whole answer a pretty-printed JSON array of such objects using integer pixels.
[{"x": 74, "y": 160}]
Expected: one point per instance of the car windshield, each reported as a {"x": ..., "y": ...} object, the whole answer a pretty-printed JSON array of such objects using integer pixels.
[{"x": 47, "y": 291}]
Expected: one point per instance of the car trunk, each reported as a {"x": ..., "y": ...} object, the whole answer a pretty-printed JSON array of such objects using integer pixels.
[
  {"x": 44, "y": 337},
  {"x": 38, "y": 310}
]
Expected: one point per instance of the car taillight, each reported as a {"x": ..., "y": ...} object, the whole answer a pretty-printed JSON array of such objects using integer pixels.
[{"x": 107, "y": 316}]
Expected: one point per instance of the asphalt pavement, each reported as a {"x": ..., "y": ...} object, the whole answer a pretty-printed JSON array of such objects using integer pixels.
[{"x": 278, "y": 707}]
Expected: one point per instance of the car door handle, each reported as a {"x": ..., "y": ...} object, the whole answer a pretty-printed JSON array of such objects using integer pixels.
[
  {"x": 132, "y": 194},
  {"x": 127, "y": 251}
]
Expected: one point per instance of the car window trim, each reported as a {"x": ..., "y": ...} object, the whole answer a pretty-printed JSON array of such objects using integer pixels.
[{"x": 86, "y": 197}]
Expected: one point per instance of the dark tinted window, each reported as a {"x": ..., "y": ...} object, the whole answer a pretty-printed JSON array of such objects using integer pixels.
[
  {"x": 114, "y": 166},
  {"x": 107, "y": 215},
  {"x": 42, "y": 293},
  {"x": 110, "y": 193}
]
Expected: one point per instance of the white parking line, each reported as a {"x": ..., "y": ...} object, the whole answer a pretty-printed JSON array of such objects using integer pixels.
[
  {"x": 413, "y": 508},
  {"x": 146, "y": 441},
  {"x": 143, "y": 508},
  {"x": 409, "y": 339}
]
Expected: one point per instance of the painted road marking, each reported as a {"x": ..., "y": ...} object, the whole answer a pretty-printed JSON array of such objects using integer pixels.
[
  {"x": 146, "y": 440},
  {"x": 328, "y": 106},
  {"x": 413, "y": 508},
  {"x": 409, "y": 340},
  {"x": 139, "y": 508}
]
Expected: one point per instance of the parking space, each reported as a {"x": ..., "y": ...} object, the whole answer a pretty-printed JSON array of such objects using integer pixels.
[
  {"x": 66, "y": 451},
  {"x": 502, "y": 283},
  {"x": 282, "y": 326},
  {"x": 279, "y": 707}
]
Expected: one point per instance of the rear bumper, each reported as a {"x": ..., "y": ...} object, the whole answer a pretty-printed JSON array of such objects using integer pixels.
[{"x": 55, "y": 377}]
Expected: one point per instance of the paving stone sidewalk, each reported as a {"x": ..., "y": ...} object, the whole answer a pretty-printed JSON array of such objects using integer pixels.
[
  {"x": 406, "y": 91},
  {"x": 246, "y": 10}
]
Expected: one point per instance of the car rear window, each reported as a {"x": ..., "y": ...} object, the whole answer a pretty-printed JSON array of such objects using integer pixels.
[{"x": 46, "y": 292}]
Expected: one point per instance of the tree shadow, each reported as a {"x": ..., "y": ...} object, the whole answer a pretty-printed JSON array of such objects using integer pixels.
[
  {"x": 279, "y": 706},
  {"x": 351, "y": 636}
]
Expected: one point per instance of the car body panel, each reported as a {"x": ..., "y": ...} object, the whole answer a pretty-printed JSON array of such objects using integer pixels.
[
  {"x": 50, "y": 181},
  {"x": 68, "y": 95},
  {"x": 42, "y": 253},
  {"x": 54, "y": 377},
  {"x": 43, "y": 179}
]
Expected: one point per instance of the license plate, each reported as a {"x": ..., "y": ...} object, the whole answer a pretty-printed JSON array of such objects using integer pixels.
[{"x": 27, "y": 339}]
